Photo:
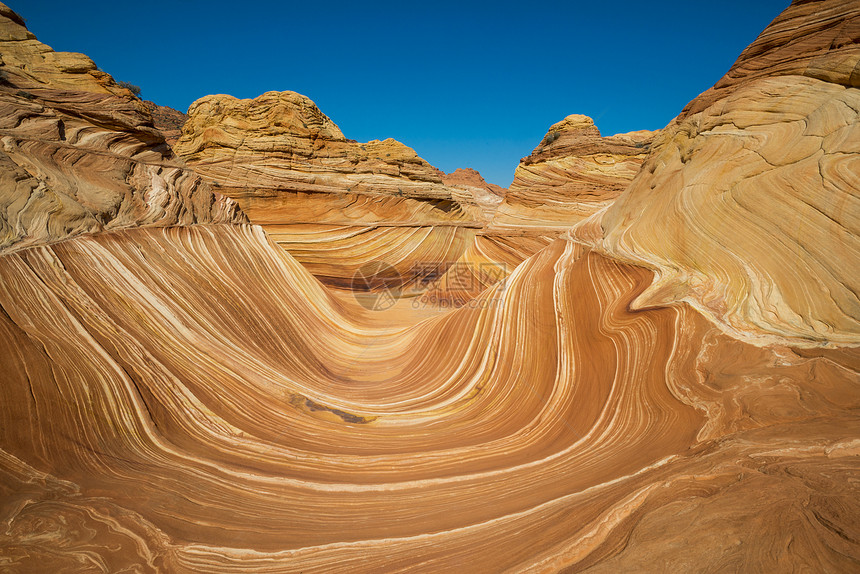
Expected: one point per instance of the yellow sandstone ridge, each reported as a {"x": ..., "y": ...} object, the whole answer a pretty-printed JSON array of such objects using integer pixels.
[
  {"x": 749, "y": 208},
  {"x": 36, "y": 65},
  {"x": 573, "y": 173},
  {"x": 281, "y": 147},
  {"x": 181, "y": 394},
  {"x": 78, "y": 154}
]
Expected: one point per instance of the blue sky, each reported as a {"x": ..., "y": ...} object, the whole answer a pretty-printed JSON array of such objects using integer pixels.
[{"x": 466, "y": 84}]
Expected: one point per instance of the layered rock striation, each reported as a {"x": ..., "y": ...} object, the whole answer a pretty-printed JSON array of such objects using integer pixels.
[
  {"x": 570, "y": 175},
  {"x": 191, "y": 398},
  {"x": 79, "y": 153},
  {"x": 748, "y": 206},
  {"x": 286, "y": 161},
  {"x": 471, "y": 189}
]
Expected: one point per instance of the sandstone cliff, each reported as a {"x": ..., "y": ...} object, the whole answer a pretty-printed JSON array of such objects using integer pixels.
[
  {"x": 79, "y": 153},
  {"x": 573, "y": 173},
  {"x": 747, "y": 206}
]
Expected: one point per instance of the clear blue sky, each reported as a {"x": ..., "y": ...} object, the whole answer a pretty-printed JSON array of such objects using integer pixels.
[{"x": 466, "y": 84}]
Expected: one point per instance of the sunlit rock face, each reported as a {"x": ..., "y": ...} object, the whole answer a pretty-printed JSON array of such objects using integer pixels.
[
  {"x": 573, "y": 173},
  {"x": 37, "y": 64},
  {"x": 186, "y": 396},
  {"x": 333, "y": 203},
  {"x": 748, "y": 206},
  {"x": 80, "y": 155},
  {"x": 286, "y": 161}
]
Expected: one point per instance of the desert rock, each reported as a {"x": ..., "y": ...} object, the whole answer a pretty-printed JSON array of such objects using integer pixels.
[
  {"x": 573, "y": 173},
  {"x": 79, "y": 153},
  {"x": 167, "y": 120},
  {"x": 181, "y": 394},
  {"x": 333, "y": 203},
  {"x": 748, "y": 206}
]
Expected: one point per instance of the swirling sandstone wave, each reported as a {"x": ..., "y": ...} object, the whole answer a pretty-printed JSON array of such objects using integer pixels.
[
  {"x": 749, "y": 208},
  {"x": 190, "y": 398},
  {"x": 260, "y": 423}
]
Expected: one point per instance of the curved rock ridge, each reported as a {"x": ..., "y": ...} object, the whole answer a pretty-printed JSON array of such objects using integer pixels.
[
  {"x": 573, "y": 173},
  {"x": 812, "y": 38},
  {"x": 280, "y": 149},
  {"x": 333, "y": 203},
  {"x": 80, "y": 155},
  {"x": 192, "y": 399},
  {"x": 749, "y": 209}
]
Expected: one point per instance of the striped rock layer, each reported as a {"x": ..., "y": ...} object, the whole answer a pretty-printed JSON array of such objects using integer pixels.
[
  {"x": 186, "y": 396},
  {"x": 80, "y": 154},
  {"x": 571, "y": 174},
  {"x": 748, "y": 206}
]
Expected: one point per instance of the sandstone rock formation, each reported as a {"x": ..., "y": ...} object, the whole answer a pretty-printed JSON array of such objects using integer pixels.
[
  {"x": 748, "y": 206},
  {"x": 36, "y": 64},
  {"x": 167, "y": 120},
  {"x": 573, "y": 173},
  {"x": 470, "y": 178},
  {"x": 79, "y": 153},
  {"x": 280, "y": 157},
  {"x": 222, "y": 412},
  {"x": 190, "y": 398},
  {"x": 331, "y": 202},
  {"x": 485, "y": 195}
]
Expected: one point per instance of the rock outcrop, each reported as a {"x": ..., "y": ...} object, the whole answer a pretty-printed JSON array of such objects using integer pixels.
[
  {"x": 167, "y": 120},
  {"x": 812, "y": 38},
  {"x": 748, "y": 206},
  {"x": 331, "y": 202},
  {"x": 470, "y": 188},
  {"x": 470, "y": 178},
  {"x": 190, "y": 398},
  {"x": 573, "y": 173},
  {"x": 34, "y": 64},
  {"x": 284, "y": 160},
  {"x": 79, "y": 153}
]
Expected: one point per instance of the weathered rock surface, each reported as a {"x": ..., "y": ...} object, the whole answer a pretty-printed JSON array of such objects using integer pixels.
[
  {"x": 79, "y": 154},
  {"x": 35, "y": 64},
  {"x": 748, "y": 206},
  {"x": 189, "y": 398},
  {"x": 333, "y": 203},
  {"x": 573, "y": 173},
  {"x": 279, "y": 155},
  {"x": 468, "y": 177},
  {"x": 814, "y": 39},
  {"x": 167, "y": 120},
  {"x": 471, "y": 189}
]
